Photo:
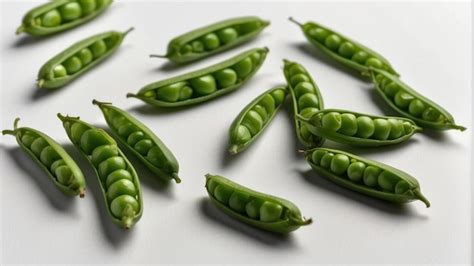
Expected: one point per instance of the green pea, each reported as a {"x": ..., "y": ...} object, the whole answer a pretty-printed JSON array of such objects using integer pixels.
[
  {"x": 121, "y": 187},
  {"x": 143, "y": 146},
  {"x": 156, "y": 157},
  {"x": 211, "y": 186},
  {"x": 407, "y": 127},
  {"x": 98, "y": 48},
  {"x": 382, "y": 129},
  {"x": 38, "y": 145},
  {"x": 348, "y": 124},
  {"x": 59, "y": 71},
  {"x": 27, "y": 139},
  {"x": 204, "y": 85},
  {"x": 124, "y": 205},
  {"x": 374, "y": 62},
  {"x": 270, "y": 212},
  {"x": 244, "y": 67},
  {"x": 253, "y": 209},
  {"x": 296, "y": 69},
  {"x": 279, "y": 96},
  {"x": 305, "y": 133},
  {"x": 268, "y": 102},
  {"x": 227, "y": 35},
  {"x": 185, "y": 93},
  {"x": 347, "y": 49},
  {"x": 309, "y": 112},
  {"x": 170, "y": 93},
  {"x": 365, "y": 127},
  {"x": 396, "y": 128},
  {"x": 222, "y": 193},
  {"x": 77, "y": 129},
  {"x": 120, "y": 174},
  {"x": 253, "y": 121},
  {"x": 402, "y": 187},
  {"x": 55, "y": 165},
  {"x": 238, "y": 201},
  {"x": 73, "y": 65},
  {"x": 70, "y": 11},
  {"x": 111, "y": 164},
  {"x": 403, "y": 99},
  {"x": 391, "y": 89},
  {"x": 326, "y": 160},
  {"x": 318, "y": 34},
  {"x": 360, "y": 57},
  {"x": 51, "y": 19},
  {"x": 226, "y": 77},
  {"x": 317, "y": 156},
  {"x": 333, "y": 42},
  {"x": 308, "y": 100},
  {"x": 198, "y": 46},
  {"x": 332, "y": 121},
  {"x": 63, "y": 174},
  {"x": 355, "y": 171},
  {"x": 339, "y": 164},
  {"x": 103, "y": 152},
  {"x": 86, "y": 56},
  {"x": 48, "y": 156},
  {"x": 430, "y": 114},
  {"x": 126, "y": 129},
  {"x": 91, "y": 139},
  {"x": 186, "y": 49},
  {"x": 303, "y": 88},
  {"x": 299, "y": 78},
  {"x": 379, "y": 78},
  {"x": 88, "y": 6},
  {"x": 387, "y": 181},
  {"x": 211, "y": 41},
  {"x": 256, "y": 57},
  {"x": 416, "y": 108},
  {"x": 135, "y": 137},
  {"x": 243, "y": 134},
  {"x": 371, "y": 174},
  {"x": 262, "y": 112}
]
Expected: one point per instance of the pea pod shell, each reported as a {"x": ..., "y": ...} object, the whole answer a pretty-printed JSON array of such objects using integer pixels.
[
  {"x": 292, "y": 222},
  {"x": 29, "y": 25}
]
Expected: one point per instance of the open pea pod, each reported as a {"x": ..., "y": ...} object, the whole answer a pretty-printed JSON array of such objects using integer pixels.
[
  {"x": 141, "y": 141},
  {"x": 254, "y": 208},
  {"x": 78, "y": 59},
  {"x": 342, "y": 49},
  {"x": 204, "y": 84},
  {"x": 254, "y": 118},
  {"x": 51, "y": 157},
  {"x": 411, "y": 104},
  {"x": 212, "y": 39},
  {"x": 365, "y": 176},
  {"x": 60, "y": 15},
  {"x": 359, "y": 129},
  {"x": 117, "y": 178}
]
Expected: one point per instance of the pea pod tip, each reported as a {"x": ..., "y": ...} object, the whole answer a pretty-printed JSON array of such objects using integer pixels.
[
  {"x": 20, "y": 29},
  {"x": 40, "y": 83},
  {"x": 158, "y": 56},
  {"x": 176, "y": 178},
  {"x": 234, "y": 149},
  {"x": 99, "y": 103},
  {"x": 295, "y": 21},
  {"x": 421, "y": 197},
  {"x": 128, "y": 31},
  {"x": 82, "y": 194},
  {"x": 131, "y": 95},
  {"x": 458, "y": 127}
]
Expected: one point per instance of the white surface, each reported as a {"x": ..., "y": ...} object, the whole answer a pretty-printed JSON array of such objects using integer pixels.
[{"x": 428, "y": 43}]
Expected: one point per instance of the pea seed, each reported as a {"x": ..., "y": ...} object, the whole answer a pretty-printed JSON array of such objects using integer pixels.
[
  {"x": 135, "y": 137},
  {"x": 297, "y": 79},
  {"x": 303, "y": 88},
  {"x": 387, "y": 181},
  {"x": 308, "y": 100},
  {"x": 120, "y": 174},
  {"x": 121, "y": 187},
  {"x": 279, "y": 96},
  {"x": 365, "y": 127},
  {"x": 143, "y": 146},
  {"x": 48, "y": 156},
  {"x": 332, "y": 121},
  {"x": 379, "y": 78},
  {"x": 403, "y": 99},
  {"x": 91, "y": 139},
  {"x": 73, "y": 65},
  {"x": 211, "y": 186},
  {"x": 124, "y": 205},
  {"x": 170, "y": 93},
  {"x": 347, "y": 49},
  {"x": 360, "y": 57},
  {"x": 407, "y": 127},
  {"x": 198, "y": 47},
  {"x": 382, "y": 129},
  {"x": 348, "y": 124},
  {"x": 238, "y": 200},
  {"x": 38, "y": 145},
  {"x": 317, "y": 156},
  {"x": 185, "y": 93},
  {"x": 86, "y": 56},
  {"x": 374, "y": 62},
  {"x": 253, "y": 122},
  {"x": 339, "y": 164},
  {"x": 227, "y": 35},
  {"x": 63, "y": 175},
  {"x": 333, "y": 42},
  {"x": 51, "y": 19},
  {"x": 431, "y": 114},
  {"x": 70, "y": 11},
  {"x": 402, "y": 187},
  {"x": 261, "y": 112},
  {"x": 326, "y": 160},
  {"x": 396, "y": 128},
  {"x": 256, "y": 57},
  {"x": 59, "y": 71},
  {"x": 111, "y": 164},
  {"x": 296, "y": 69},
  {"x": 55, "y": 165},
  {"x": 204, "y": 85},
  {"x": 222, "y": 193},
  {"x": 126, "y": 129},
  {"x": 391, "y": 89},
  {"x": 355, "y": 171},
  {"x": 416, "y": 108},
  {"x": 118, "y": 121},
  {"x": 268, "y": 102},
  {"x": 309, "y": 112},
  {"x": 318, "y": 34},
  {"x": 186, "y": 49},
  {"x": 270, "y": 212},
  {"x": 371, "y": 174},
  {"x": 77, "y": 129},
  {"x": 244, "y": 67},
  {"x": 88, "y": 6},
  {"x": 28, "y": 139},
  {"x": 98, "y": 48},
  {"x": 103, "y": 152},
  {"x": 211, "y": 41},
  {"x": 305, "y": 133},
  {"x": 226, "y": 77},
  {"x": 243, "y": 134},
  {"x": 156, "y": 157},
  {"x": 253, "y": 209}
]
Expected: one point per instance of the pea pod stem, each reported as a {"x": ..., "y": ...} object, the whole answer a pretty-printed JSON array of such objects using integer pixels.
[
  {"x": 176, "y": 178},
  {"x": 15, "y": 127},
  {"x": 421, "y": 197},
  {"x": 295, "y": 21},
  {"x": 20, "y": 29},
  {"x": 158, "y": 56}
]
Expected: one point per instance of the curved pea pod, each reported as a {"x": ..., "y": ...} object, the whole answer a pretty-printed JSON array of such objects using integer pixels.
[
  {"x": 117, "y": 178},
  {"x": 79, "y": 58},
  {"x": 409, "y": 103},
  {"x": 212, "y": 39},
  {"x": 306, "y": 98},
  {"x": 254, "y": 118},
  {"x": 204, "y": 84},
  {"x": 160, "y": 160},
  {"x": 342, "y": 49},
  {"x": 51, "y": 157},
  {"x": 60, "y": 15},
  {"x": 254, "y": 208},
  {"x": 359, "y": 129},
  {"x": 365, "y": 176}
]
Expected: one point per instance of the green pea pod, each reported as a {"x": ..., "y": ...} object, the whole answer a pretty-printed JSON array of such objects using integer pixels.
[
  {"x": 130, "y": 132},
  {"x": 212, "y": 39},
  {"x": 79, "y": 58},
  {"x": 254, "y": 208},
  {"x": 409, "y": 103},
  {"x": 307, "y": 100},
  {"x": 359, "y": 129},
  {"x": 118, "y": 180},
  {"x": 342, "y": 49},
  {"x": 204, "y": 84},
  {"x": 365, "y": 176},
  {"x": 51, "y": 157},
  {"x": 254, "y": 118},
  {"x": 60, "y": 15}
]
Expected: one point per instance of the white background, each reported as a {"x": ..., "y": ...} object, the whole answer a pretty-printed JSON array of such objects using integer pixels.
[{"x": 428, "y": 43}]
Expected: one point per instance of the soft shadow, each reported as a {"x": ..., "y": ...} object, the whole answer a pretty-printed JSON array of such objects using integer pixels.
[
  {"x": 363, "y": 151},
  {"x": 287, "y": 108},
  {"x": 146, "y": 109},
  {"x": 27, "y": 40},
  {"x": 227, "y": 157},
  {"x": 38, "y": 94},
  {"x": 168, "y": 66},
  {"x": 211, "y": 212}
]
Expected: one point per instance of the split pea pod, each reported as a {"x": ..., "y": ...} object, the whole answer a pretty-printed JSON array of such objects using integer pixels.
[
  {"x": 141, "y": 141},
  {"x": 117, "y": 178},
  {"x": 51, "y": 157},
  {"x": 409, "y": 103},
  {"x": 60, "y": 15},
  {"x": 254, "y": 118},
  {"x": 307, "y": 100},
  {"x": 254, "y": 208},
  {"x": 359, "y": 129},
  {"x": 204, "y": 84},
  {"x": 365, "y": 176},
  {"x": 211, "y": 39},
  {"x": 79, "y": 58},
  {"x": 342, "y": 49}
]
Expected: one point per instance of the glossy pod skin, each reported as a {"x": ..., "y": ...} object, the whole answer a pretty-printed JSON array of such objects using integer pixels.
[
  {"x": 365, "y": 176},
  {"x": 212, "y": 39},
  {"x": 359, "y": 129},
  {"x": 254, "y": 208},
  {"x": 117, "y": 178},
  {"x": 409, "y": 103},
  {"x": 141, "y": 141},
  {"x": 204, "y": 84},
  {"x": 60, "y": 15},
  {"x": 254, "y": 118},
  {"x": 78, "y": 58},
  {"x": 306, "y": 98},
  {"x": 342, "y": 49},
  {"x": 51, "y": 157}
]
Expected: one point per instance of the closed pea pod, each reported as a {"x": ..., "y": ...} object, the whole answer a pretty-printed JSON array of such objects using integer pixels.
[
  {"x": 264, "y": 107},
  {"x": 60, "y": 15},
  {"x": 359, "y": 129},
  {"x": 411, "y": 104},
  {"x": 204, "y": 84},
  {"x": 366, "y": 176},
  {"x": 211, "y": 39},
  {"x": 78, "y": 58},
  {"x": 158, "y": 158},
  {"x": 117, "y": 178},
  {"x": 254, "y": 208},
  {"x": 51, "y": 157}
]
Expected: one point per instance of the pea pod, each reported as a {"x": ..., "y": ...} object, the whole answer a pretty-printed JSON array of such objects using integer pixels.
[
  {"x": 307, "y": 100},
  {"x": 133, "y": 134},
  {"x": 79, "y": 58},
  {"x": 60, "y": 15},
  {"x": 342, "y": 49},
  {"x": 254, "y": 208},
  {"x": 212, "y": 39},
  {"x": 51, "y": 157},
  {"x": 254, "y": 118},
  {"x": 409, "y": 103},
  {"x": 204, "y": 84},
  {"x": 359, "y": 129},
  {"x": 117, "y": 178},
  {"x": 365, "y": 176}
]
